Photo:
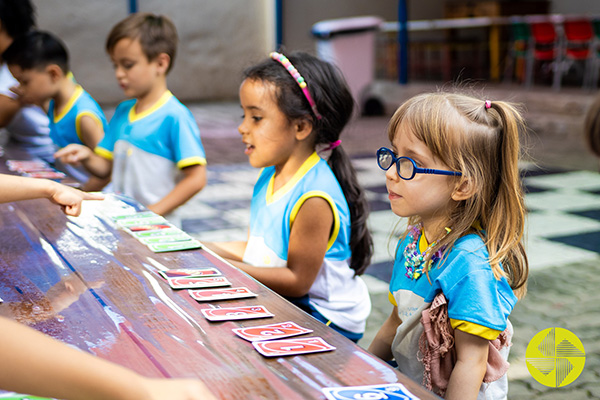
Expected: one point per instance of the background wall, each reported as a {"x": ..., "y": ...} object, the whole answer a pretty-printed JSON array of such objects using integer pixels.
[{"x": 218, "y": 39}]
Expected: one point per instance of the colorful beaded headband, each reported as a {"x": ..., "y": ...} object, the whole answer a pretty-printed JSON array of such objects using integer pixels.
[{"x": 283, "y": 60}]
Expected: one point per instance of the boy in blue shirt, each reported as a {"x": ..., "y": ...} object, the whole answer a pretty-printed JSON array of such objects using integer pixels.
[
  {"x": 40, "y": 62},
  {"x": 152, "y": 147}
]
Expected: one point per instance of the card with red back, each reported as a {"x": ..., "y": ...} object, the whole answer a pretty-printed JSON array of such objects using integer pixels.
[
  {"x": 292, "y": 347},
  {"x": 234, "y": 313},
  {"x": 46, "y": 175},
  {"x": 221, "y": 294},
  {"x": 270, "y": 332},
  {"x": 26, "y": 165},
  {"x": 152, "y": 227},
  {"x": 189, "y": 272},
  {"x": 198, "y": 283}
]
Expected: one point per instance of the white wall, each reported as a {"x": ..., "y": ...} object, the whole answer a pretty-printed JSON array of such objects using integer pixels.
[{"x": 218, "y": 39}]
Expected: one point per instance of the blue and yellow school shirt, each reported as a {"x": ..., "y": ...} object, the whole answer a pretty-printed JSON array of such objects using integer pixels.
[
  {"x": 336, "y": 293},
  {"x": 65, "y": 127},
  {"x": 478, "y": 303},
  {"x": 149, "y": 149}
]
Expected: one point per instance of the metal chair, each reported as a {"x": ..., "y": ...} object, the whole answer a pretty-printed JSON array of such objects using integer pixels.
[
  {"x": 517, "y": 51},
  {"x": 575, "y": 50},
  {"x": 543, "y": 46}
]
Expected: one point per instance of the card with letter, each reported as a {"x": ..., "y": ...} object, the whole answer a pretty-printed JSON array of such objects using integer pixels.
[
  {"x": 234, "y": 313},
  {"x": 391, "y": 391},
  {"x": 292, "y": 347},
  {"x": 198, "y": 283},
  {"x": 270, "y": 332},
  {"x": 189, "y": 272},
  {"x": 221, "y": 294},
  {"x": 175, "y": 246}
]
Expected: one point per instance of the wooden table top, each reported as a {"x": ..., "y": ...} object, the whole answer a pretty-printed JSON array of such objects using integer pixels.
[{"x": 89, "y": 283}]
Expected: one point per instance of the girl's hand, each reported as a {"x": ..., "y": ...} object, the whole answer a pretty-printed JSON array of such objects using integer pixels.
[
  {"x": 177, "y": 389},
  {"x": 73, "y": 154}
]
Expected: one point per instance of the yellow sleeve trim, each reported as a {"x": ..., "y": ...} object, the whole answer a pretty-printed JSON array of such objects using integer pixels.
[
  {"x": 475, "y": 329},
  {"x": 103, "y": 153},
  {"x": 188, "y": 162},
  {"x": 86, "y": 114},
  {"x": 392, "y": 299},
  {"x": 336, "y": 217}
]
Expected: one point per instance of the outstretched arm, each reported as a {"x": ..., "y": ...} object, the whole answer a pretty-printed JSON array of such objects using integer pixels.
[
  {"x": 78, "y": 153},
  {"x": 16, "y": 188},
  {"x": 36, "y": 364}
]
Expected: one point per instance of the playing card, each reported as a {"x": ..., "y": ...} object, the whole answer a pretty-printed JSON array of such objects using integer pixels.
[
  {"x": 234, "y": 313},
  {"x": 166, "y": 239},
  {"x": 137, "y": 215},
  {"x": 221, "y": 294},
  {"x": 15, "y": 165},
  {"x": 198, "y": 283},
  {"x": 46, "y": 175},
  {"x": 189, "y": 273},
  {"x": 171, "y": 231},
  {"x": 163, "y": 247},
  {"x": 149, "y": 220},
  {"x": 152, "y": 227},
  {"x": 292, "y": 347},
  {"x": 392, "y": 391},
  {"x": 270, "y": 332}
]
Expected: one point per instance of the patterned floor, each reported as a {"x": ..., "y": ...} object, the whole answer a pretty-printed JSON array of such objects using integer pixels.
[{"x": 563, "y": 224}]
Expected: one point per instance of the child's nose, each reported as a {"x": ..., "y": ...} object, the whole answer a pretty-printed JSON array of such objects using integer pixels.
[{"x": 391, "y": 173}]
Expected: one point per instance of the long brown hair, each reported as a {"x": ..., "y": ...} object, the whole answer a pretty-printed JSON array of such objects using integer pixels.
[{"x": 482, "y": 143}]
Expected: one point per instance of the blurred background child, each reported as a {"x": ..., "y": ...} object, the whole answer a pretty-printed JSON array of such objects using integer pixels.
[
  {"x": 152, "y": 147},
  {"x": 40, "y": 62}
]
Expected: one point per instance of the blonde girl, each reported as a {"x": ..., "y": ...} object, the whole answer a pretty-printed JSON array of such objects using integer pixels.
[{"x": 452, "y": 171}]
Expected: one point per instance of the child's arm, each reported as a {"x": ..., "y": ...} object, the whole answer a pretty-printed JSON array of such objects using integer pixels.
[
  {"x": 77, "y": 153},
  {"x": 14, "y": 188},
  {"x": 91, "y": 133},
  {"x": 307, "y": 247},
  {"x": 233, "y": 251},
  {"x": 8, "y": 108},
  {"x": 65, "y": 373},
  {"x": 381, "y": 346},
  {"x": 471, "y": 364},
  {"x": 193, "y": 181}
]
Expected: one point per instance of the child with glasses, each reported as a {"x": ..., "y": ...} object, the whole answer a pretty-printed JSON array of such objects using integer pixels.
[
  {"x": 460, "y": 266},
  {"x": 308, "y": 236}
]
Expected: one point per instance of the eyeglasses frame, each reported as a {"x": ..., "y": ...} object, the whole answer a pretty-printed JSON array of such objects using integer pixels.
[{"x": 416, "y": 170}]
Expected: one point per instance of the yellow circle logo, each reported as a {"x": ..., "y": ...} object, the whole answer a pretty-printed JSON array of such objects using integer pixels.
[{"x": 555, "y": 357}]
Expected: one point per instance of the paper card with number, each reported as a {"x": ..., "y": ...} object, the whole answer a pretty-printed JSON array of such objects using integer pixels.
[
  {"x": 234, "y": 313},
  {"x": 392, "y": 391},
  {"x": 151, "y": 227},
  {"x": 176, "y": 246},
  {"x": 270, "y": 332},
  {"x": 189, "y": 272},
  {"x": 171, "y": 231},
  {"x": 221, "y": 294},
  {"x": 198, "y": 283},
  {"x": 292, "y": 347}
]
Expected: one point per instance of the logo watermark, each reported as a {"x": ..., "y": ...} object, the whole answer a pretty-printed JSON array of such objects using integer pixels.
[{"x": 555, "y": 357}]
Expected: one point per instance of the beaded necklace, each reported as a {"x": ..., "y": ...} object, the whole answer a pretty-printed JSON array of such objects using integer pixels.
[{"x": 414, "y": 261}]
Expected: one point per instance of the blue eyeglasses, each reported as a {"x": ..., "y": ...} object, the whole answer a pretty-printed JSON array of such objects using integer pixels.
[{"x": 406, "y": 166}]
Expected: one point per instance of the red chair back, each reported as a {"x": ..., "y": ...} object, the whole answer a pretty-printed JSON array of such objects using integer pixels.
[
  {"x": 543, "y": 32},
  {"x": 578, "y": 31}
]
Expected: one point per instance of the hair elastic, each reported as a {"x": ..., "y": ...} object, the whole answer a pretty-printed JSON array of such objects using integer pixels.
[
  {"x": 283, "y": 60},
  {"x": 333, "y": 145},
  {"x": 488, "y": 104}
]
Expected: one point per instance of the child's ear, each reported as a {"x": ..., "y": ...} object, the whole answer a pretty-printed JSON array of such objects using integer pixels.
[
  {"x": 464, "y": 189},
  {"x": 55, "y": 72},
  {"x": 304, "y": 128},
  {"x": 163, "y": 61}
]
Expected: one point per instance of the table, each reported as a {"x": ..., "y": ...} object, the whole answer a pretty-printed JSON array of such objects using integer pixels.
[{"x": 90, "y": 284}]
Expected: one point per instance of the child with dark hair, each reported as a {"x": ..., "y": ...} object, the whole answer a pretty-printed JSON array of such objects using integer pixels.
[
  {"x": 40, "y": 62},
  {"x": 152, "y": 147},
  {"x": 26, "y": 125},
  {"x": 308, "y": 237}
]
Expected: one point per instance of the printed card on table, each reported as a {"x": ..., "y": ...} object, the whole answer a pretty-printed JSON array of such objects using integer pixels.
[
  {"x": 26, "y": 165},
  {"x": 221, "y": 294},
  {"x": 270, "y": 332},
  {"x": 292, "y": 347},
  {"x": 135, "y": 215},
  {"x": 183, "y": 237},
  {"x": 46, "y": 174},
  {"x": 149, "y": 227},
  {"x": 149, "y": 220},
  {"x": 170, "y": 231},
  {"x": 235, "y": 313},
  {"x": 189, "y": 272},
  {"x": 392, "y": 391},
  {"x": 198, "y": 283},
  {"x": 176, "y": 246}
]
